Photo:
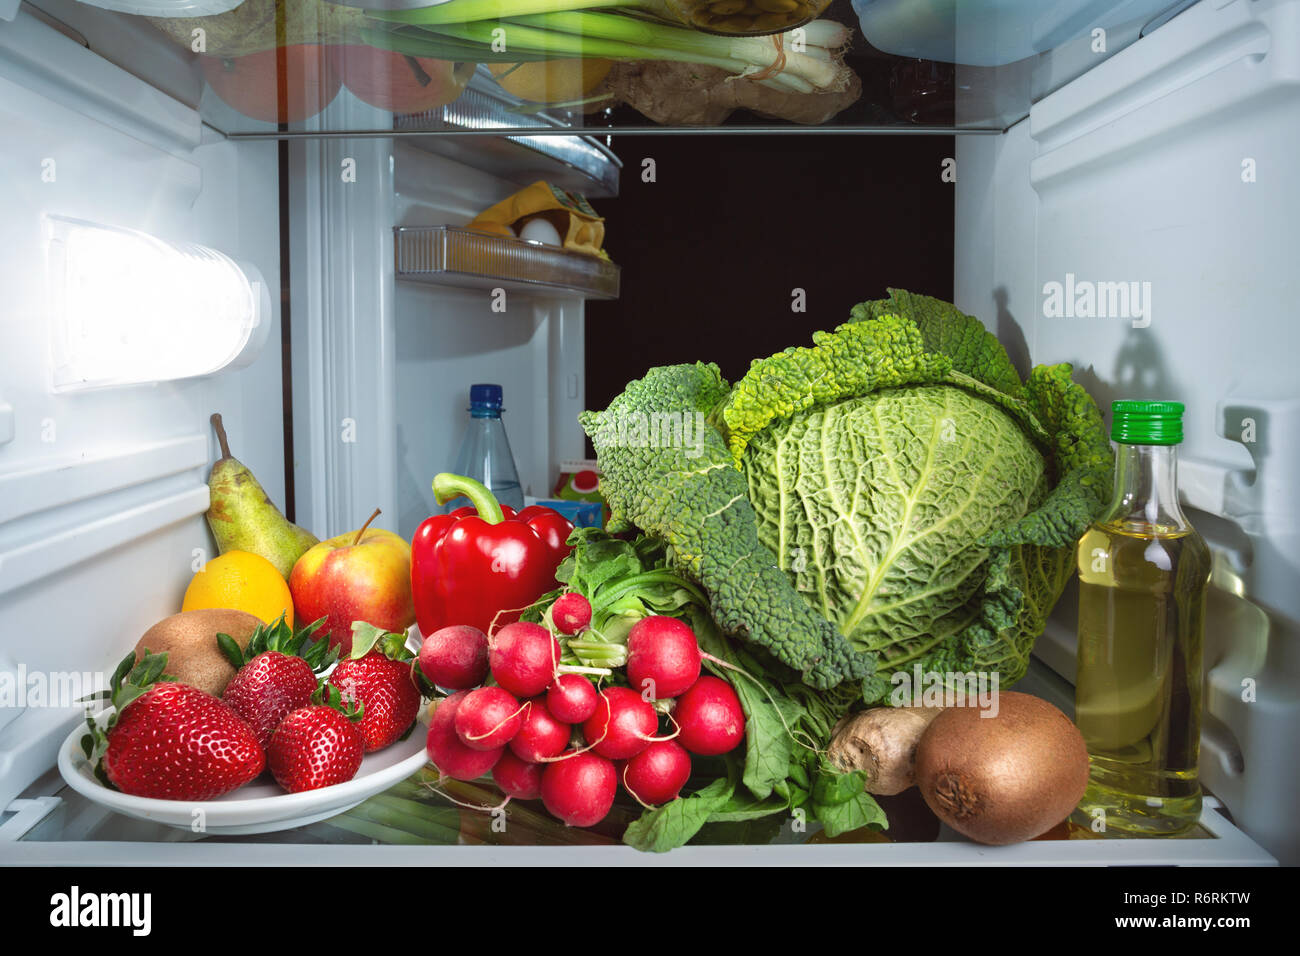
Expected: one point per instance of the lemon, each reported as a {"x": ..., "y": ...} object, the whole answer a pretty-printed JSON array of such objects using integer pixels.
[
  {"x": 551, "y": 81},
  {"x": 241, "y": 581}
]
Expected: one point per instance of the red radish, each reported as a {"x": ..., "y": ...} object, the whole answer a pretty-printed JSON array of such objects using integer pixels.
[
  {"x": 710, "y": 717},
  {"x": 488, "y": 718},
  {"x": 523, "y": 658},
  {"x": 540, "y": 735},
  {"x": 658, "y": 773},
  {"x": 455, "y": 657},
  {"x": 571, "y": 613},
  {"x": 448, "y": 752},
  {"x": 663, "y": 657},
  {"x": 518, "y": 778},
  {"x": 571, "y": 698},
  {"x": 621, "y": 725},
  {"x": 579, "y": 789}
]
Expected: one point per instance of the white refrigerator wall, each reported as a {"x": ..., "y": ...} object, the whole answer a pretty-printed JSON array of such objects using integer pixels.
[
  {"x": 383, "y": 365},
  {"x": 1166, "y": 176},
  {"x": 102, "y": 492},
  {"x": 449, "y": 339}
]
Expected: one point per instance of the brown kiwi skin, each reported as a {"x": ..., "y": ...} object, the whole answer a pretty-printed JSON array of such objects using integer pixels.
[
  {"x": 190, "y": 641},
  {"x": 1003, "y": 779}
]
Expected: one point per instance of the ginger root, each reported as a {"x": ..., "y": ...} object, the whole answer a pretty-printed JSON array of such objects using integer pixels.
[{"x": 883, "y": 743}]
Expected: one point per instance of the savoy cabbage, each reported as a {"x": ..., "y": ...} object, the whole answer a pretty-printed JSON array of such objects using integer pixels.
[{"x": 893, "y": 495}]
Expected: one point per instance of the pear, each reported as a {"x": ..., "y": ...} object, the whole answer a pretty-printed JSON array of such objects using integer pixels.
[{"x": 243, "y": 518}]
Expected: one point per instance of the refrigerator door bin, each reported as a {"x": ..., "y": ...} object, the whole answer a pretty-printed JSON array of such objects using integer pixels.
[{"x": 446, "y": 255}]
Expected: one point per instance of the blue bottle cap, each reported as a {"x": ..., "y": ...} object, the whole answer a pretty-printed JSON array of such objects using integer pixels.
[{"x": 485, "y": 395}]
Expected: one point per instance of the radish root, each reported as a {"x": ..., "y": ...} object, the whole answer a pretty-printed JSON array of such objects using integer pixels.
[
  {"x": 477, "y": 807},
  {"x": 502, "y": 723}
]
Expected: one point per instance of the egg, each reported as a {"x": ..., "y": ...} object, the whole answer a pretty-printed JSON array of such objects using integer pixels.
[{"x": 540, "y": 230}]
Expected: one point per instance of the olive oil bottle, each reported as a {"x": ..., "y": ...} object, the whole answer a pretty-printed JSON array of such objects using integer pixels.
[{"x": 1143, "y": 574}]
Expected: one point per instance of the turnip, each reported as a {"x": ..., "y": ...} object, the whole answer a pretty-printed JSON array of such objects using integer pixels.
[
  {"x": 709, "y": 717},
  {"x": 658, "y": 773},
  {"x": 488, "y": 718},
  {"x": 455, "y": 657},
  {"x": 580, "y": 788},
  {"x": 572, "y": 698},
  {"x": 448, "y": 752},
  {"x": 571, "y": 613},
  {"x": 663, "y": 657},
  {"x": 523, "y": 658},
  {"x": 518, "y": 778},
  {"x": 623, "y": 724},
  {"x": 540, "y": 735}
]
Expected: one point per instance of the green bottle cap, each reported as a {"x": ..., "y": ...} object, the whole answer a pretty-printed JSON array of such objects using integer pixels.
[{"x": 1146, "y": 423}]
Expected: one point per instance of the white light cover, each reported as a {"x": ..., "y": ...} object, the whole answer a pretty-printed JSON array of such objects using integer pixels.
[
  {"x": 167, "y": 8},
  {"x": 127, "y": 308}
]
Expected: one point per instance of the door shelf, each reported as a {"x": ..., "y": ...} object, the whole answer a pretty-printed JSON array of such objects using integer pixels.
[{"x": 447, "y": 255}]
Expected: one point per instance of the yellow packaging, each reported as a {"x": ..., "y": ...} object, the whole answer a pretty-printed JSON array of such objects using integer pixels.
[{"x": 580, "y": 228}]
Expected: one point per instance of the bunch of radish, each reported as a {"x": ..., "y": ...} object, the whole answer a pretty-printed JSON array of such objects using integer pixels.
[{"x": 547, "y": 730}]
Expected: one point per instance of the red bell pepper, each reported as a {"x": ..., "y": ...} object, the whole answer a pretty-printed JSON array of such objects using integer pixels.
[{"x": 483, "y": 564}]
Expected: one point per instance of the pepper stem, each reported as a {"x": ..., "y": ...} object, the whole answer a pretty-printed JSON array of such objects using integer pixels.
[{"x": 447, "y": 486}]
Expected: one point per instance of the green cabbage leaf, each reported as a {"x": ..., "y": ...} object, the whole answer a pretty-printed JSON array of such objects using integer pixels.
[{"x": 892, "y": 495}]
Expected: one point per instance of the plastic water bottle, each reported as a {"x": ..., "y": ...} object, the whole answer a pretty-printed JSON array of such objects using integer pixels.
[{"x": 485, "y": 451}]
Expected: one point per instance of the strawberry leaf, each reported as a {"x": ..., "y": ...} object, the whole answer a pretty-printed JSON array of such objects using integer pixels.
[
  {"x": 123, "y": 669},
  {"x": 231, "y": 649},
  {"x": 364, "y": 637},
  {"x": 351, "y": 707}
]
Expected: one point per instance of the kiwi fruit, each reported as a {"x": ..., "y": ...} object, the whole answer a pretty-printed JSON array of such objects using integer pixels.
[
  {"x": 190, "y": 641},
  {"x": 1004, "y": 778}
]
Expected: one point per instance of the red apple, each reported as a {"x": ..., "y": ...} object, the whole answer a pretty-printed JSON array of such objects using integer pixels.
[
  {"x": 398, "y": 83},
  {"x": 253, "y": 84},
  {"x": 359, "y": 576}
]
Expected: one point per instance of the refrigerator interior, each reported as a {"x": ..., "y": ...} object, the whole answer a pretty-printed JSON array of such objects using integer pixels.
[{"x": 1159, "y": 160}]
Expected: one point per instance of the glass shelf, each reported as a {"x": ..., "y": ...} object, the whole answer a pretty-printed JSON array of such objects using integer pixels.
[
  {"x": 447, "y": 255},
  {"x": 417, "y": 817},
  {"x": 324, "y": 81},
  {"x": 288, "y": 69}
]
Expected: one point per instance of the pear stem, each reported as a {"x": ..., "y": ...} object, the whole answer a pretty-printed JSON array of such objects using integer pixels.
[
  {"x": 221, "y": 434},
  {"x": 357, "y": 539}
]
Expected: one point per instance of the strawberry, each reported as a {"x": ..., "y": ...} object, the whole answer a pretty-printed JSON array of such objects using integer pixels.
[
  {"x": 169, "y": 740},
  {"x": 275, "y": 674},
  {"x": 316, "y": 746},
  {"x": 378, "y": 675}
]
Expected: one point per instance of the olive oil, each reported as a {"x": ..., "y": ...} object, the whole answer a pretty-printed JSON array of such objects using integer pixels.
[{"x": 1143, "y": 573}]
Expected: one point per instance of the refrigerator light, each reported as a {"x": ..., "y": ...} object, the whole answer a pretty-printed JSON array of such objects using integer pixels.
[{"x": 127, "y": 308}]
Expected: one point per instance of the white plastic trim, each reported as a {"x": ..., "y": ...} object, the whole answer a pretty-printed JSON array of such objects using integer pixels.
[
  {"x": 55, "y": 484},
  {"x": 48, "y": 63},
  {"x": 1230, "y": 847},
  {"x": 25, "y": 563},
  {"x": 26, "y": 814},
  {"x": 167, "y": 8}
]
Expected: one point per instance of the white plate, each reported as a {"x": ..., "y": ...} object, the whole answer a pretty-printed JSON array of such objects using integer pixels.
[{"x": 257, "y": 807}]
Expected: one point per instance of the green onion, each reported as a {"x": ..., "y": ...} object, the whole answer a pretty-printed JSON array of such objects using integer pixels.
[
  {"x": 541, "y": 29},
  {"x": 468, "y": 11}
]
